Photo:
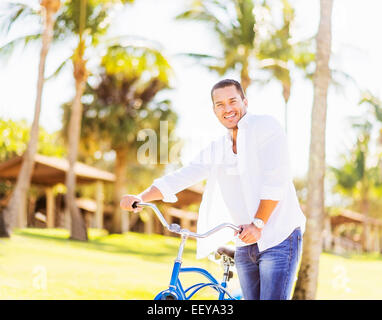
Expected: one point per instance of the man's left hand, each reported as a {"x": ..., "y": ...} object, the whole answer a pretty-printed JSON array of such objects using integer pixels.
[{"x": 250, "y": 233}]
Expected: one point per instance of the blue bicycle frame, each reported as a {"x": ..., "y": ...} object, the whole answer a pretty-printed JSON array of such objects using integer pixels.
[{"x": 175, "y": 290}]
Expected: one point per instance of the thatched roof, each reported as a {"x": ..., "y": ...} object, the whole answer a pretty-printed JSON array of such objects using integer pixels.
[
  {"x": 190, "y": 215},
  {"x": 90, "y": 205},
  {"x": 52, "y": 170},
  {"x": 348, "y": 216},
  {"x": 189, "y": 196}
]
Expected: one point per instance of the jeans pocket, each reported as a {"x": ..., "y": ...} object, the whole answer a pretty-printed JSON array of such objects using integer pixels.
[
  {"x": 299, "y": 235},
  {"x": 289, "y": 239},
  {"x": 240, "y": 254},
  {"x": 291, "y": 242}
]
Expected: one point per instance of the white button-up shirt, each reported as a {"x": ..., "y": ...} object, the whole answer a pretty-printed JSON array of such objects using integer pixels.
[{"x": 237, "y": 182}]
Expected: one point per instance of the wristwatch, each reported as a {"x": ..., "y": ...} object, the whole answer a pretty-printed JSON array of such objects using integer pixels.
[{"x": 258, "y": 223}]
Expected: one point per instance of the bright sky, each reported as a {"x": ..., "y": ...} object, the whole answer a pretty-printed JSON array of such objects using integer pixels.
[{"x": 357, "y": 49}]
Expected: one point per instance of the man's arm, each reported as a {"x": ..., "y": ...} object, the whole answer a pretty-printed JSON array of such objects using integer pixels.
[
  {"x": 166, "y": 187},
  {"x": 250, "y": 233},
  {"x": 151, "y": 194},
  {"x": 265, "y": 209}
]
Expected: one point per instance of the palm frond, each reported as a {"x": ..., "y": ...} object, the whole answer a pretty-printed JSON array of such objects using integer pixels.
[
  {"x": 338, "y": 76},
  {"x": 197, "y": 15},
  {"x": 13, "y": 13},
  {"x": 368, "y": 98},
  {"x": 59, "y": 68},
  {"x": 7, "y": 49},
  {"x": 246, "y": 22},
  {"x": 199, "y": 56},
  {"x": 131, "y": 40}
]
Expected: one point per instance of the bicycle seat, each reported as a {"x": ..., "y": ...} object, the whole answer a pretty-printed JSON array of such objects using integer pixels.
[{"x": 226, "y": 251}]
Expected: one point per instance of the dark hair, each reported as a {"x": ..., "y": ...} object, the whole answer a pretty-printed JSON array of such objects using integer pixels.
[{"x": 227, "y": 83}]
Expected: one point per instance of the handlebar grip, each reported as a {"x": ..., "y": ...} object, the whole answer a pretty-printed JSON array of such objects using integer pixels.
[{"x": 134, "y": 205}]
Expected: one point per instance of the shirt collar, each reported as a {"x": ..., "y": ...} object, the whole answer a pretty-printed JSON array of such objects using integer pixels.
[
  {"x": 241, "y": 124},
  {"x": 243, "y": 121}
]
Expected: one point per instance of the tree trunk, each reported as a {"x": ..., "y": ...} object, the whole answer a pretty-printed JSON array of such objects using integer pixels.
[
  {"x": 16, "y": 208},
  {"x": 306, "y": 285},
  {"x": 244, "y": 75},
  {"x": 286, "y": 95},
  {"x": 366, "y": 224},
  {"x": 120, "y": 219},
  {"x": 77, "y": 226}
]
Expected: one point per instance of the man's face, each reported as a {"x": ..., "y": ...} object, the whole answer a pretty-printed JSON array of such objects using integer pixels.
[{"x": 229, "y": 107}]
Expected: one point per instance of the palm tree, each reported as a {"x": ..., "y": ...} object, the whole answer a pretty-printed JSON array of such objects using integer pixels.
[
  {"x": 306, "y": 285},
  {"x": 357, "y": 178},
  {"x": 369, "y": 99},
  {"x": 280, "y": 49},
  {"x": 17, "y": 203},
  {"x": 123, "y": 103},
  {"x": 243, "y": 47},
  {"x": 233, "y": 21},
  {"x": 80, "y": 74},
  {"x": 87, "y": 21}
]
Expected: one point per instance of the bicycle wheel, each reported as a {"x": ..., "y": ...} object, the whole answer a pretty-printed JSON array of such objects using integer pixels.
[{"x": 167, "y": 295}]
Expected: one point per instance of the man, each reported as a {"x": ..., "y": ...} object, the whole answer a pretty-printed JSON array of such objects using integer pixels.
[{"x": 248, "y": 184}]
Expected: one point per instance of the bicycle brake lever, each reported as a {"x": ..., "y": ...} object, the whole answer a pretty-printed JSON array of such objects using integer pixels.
[
  {"x": 174, "y": 227},
  {"x": 240, "y": 231}
]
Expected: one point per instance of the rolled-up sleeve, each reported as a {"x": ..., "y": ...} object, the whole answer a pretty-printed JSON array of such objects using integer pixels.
[
  {"x": 274, "y": 161},
  {"x": 165, "y": 189},
  {"x": 182, "y": 178}
]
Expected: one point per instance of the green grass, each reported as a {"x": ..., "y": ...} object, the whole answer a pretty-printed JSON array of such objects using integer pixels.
[
  {"x": 44, "y": 264},
  {"x": 352, "y": 277},
  {"x": 128, "y": 266}
]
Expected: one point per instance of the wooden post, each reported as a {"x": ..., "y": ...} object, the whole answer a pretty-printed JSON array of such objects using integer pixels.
[
  {"x": 21, "y": 221},
  {"x": 185, "y": 223},
  {"x": 376, "y": 246},
  {"x": 149, "y": 224},
  {"x": 168, "y": 218},
  {"x": 99, "y": 201},
  {"x": 68, "y": 218},
  {"x": 371, "y": 238},
  {"x": 366, "y": 237},
  {"x": 50, "y": 216},
  {"x": 374, "y": 239},
  {"x": 327, "y": 235},
  {"x": 31, "y": 210}
]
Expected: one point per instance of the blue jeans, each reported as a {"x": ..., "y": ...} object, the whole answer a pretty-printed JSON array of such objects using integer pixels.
[{"x": 270, "y": 274}]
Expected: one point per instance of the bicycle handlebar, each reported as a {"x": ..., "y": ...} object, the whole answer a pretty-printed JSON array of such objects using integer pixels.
[{"x": 175, "y": 228}]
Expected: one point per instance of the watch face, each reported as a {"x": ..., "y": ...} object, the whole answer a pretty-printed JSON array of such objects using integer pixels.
[{"x": 259, "y": 223}]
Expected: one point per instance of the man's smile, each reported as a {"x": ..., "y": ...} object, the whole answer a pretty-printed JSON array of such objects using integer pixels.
[{"x": 230, "y": 115}]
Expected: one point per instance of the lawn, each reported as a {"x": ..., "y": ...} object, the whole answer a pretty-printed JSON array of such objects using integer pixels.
[{"x": 44, "y": 264}]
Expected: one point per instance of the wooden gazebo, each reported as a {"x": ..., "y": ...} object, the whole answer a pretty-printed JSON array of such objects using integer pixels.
[
  {"x": 371, "y": 228},
  {"x": 50, "y": 171},
  {"x": 178, "y": 210}
]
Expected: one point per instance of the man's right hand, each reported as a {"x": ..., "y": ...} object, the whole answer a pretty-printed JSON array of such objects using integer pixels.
[{"x": 127, "y": 203}]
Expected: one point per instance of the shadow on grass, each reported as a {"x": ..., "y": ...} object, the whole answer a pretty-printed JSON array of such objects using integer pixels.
[
  {"x": 374, "y": 256},
  {"x": 366, "y": 256},
  {"x": 161, "y": 252}
]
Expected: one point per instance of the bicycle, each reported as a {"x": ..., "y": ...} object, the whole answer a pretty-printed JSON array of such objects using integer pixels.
[{"x": 175, "y": 290}]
